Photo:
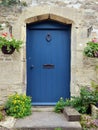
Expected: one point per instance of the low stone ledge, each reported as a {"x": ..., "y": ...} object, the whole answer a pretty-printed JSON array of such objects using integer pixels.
[{"x": 71, "y": 114}]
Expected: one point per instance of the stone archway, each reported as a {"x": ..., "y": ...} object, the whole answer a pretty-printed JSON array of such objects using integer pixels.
[
  {"x": 39, "y": 13},
  {"x": 50, "y": 17}
]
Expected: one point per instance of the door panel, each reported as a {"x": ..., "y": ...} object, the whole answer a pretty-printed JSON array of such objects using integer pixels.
[{"x": 48, "y": 63}]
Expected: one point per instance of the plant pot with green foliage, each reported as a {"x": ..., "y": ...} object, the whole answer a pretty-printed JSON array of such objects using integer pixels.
[
  {"x": 91, "y": 50},
  {"x": 7, "y": 51},
  {"x": 8, "y": 46}
]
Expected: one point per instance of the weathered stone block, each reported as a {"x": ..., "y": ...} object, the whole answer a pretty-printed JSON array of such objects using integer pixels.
[
  {"x": 94, "y": 111},
  {"x": 71, "y": 114}
]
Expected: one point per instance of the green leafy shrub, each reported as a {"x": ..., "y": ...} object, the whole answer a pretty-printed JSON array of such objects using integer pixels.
[
  {"x": 95, "y": 91},
  {"x": 80, "y": 103},
  {"x": 13, "y": 2},
  {"x": 88, "y": 51},
  {"x": 18, "y": 106},
  {"x": 1, "y": 116},
  {"x": 10, "y": 2},
  {"x": 91, "y": 50},
  {"x": 58, "y": 128},
  {"x": 23, "y": 3},
  {"x": 60, "y": 105},
  {"x": 86, "y": 98},
  {"x": 94, "y": 86},
  {"x": 1, "y": 107},
  {"x": 2, "y": 112}
]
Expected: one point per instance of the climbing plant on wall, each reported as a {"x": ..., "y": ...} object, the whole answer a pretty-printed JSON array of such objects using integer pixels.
[
  {"x": 10, "y": 2},
  {"x": 13, "y": 2}
]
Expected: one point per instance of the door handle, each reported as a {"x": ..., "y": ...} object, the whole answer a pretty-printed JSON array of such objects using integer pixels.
[{"x": 32, "y": 66}]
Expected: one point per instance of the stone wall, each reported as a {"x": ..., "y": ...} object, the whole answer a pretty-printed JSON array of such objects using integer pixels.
[{"x": 82, "y": 14}]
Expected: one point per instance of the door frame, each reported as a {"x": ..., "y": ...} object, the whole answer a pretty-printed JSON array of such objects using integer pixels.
[
  {"x": 64, "y": 15},
  {"x": 63, "y": 21}
]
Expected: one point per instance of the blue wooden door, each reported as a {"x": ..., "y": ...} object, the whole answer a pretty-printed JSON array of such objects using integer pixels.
[{"x": 48, "y": 62}]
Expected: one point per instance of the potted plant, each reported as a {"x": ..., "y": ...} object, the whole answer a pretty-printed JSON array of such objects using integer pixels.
[
  {"x": 91, "y": 50},
  {"x": 8, "y": 46}
]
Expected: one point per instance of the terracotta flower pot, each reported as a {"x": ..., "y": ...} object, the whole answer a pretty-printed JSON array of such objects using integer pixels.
[{"x": 5, "y": 51}]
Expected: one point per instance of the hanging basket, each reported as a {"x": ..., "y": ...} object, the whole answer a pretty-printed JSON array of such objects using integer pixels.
[{"x": 5, "y": 51}]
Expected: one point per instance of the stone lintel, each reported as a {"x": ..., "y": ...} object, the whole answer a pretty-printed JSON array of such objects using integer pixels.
[{"x": 48, "y": 16}]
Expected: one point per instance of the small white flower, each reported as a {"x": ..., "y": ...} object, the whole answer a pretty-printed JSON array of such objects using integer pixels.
[
  {"x": 3, "y": 25},
  {"x": 61, "y": 98}
]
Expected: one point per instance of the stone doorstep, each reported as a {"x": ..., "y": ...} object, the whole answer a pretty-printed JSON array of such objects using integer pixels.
[
  {"x": 65, "y": 125},
  {"x": 42, "y": 109},
  {"x": 55, "y": 128},
  {"x": 71, "y": 114},
  {"x": 43, "y": 124}
]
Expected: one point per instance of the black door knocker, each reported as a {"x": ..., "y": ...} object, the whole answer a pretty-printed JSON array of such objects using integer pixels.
[{"x": 48, "y": 37}]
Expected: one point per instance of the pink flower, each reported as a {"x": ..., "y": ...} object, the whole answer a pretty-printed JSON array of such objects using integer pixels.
[
  {"x": 95, "y": 40},
  {"x": 4, "y": 34}
]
